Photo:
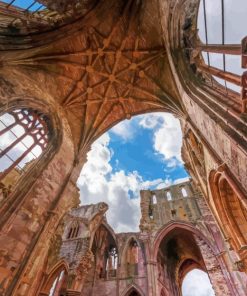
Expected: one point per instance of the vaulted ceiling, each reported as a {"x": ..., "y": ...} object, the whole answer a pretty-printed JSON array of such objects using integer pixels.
[{"x": 103, "y": 68}]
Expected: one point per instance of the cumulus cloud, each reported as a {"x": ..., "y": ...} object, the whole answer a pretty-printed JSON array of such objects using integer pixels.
[
  {"x": 197, "y": 283},
  {"x": 125, "y": 130},
  {"x": 167, "y": 140},
  {"x": 151, "y": 121},
  {"x": 120, "y": 190}
]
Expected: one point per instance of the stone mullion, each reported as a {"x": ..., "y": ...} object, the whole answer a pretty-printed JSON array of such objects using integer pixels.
[
  {"x": 232, "y": 49},
  {"x": 7, "y": 149},
  {"x": 228, "y": 76},
  {"x": 5, "y": 130},
  {"x": 5, "y": 173}
]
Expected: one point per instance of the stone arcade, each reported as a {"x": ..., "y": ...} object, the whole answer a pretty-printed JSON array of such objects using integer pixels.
[{"x": 68, "y": 73}]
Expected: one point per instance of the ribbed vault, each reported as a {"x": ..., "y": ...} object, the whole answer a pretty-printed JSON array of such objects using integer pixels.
[{"x": 103, "y": 68}]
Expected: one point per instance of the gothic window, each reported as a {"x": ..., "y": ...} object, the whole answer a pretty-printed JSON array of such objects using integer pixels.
[
  {"x": 24, "y": 136},
  {"x": 178, "y": 254},
  {"x": 184, "y": 192},
  {"x": 57, "y": 284},
  {"x": 231, "y": 211},
  {"x": 169, "y": 195},
  {"x": 112, "y": 262},
  {"x": 154, "y": 199},
  {"x": 105, "y": 253},
  {"x": 73, "y": 230},
  {"x": 132, "y": 258}
]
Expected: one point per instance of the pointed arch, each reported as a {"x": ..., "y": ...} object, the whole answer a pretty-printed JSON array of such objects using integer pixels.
[
  {"x": 229, "y": 205},
  {"x": 73, "y": 229},
  {"x": 130, "y": 256},
  {"x": 105, "y": 250},
  {"x": 55, "y": 272},
  {"x": 131, "y": 289},
  {"x": 126, "y": 245}
]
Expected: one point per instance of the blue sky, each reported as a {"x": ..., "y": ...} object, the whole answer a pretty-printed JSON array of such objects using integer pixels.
[
  {"x": 136, "y": 152},
  {"x": 26, "y": 3},
  {"x": 141, "y": 153},
  {"x": 145, "y": 151}
]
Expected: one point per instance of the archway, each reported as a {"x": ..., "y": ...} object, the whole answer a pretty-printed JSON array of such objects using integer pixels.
[
  {"x": 179, "y": 248},
  {"x": 178, "y": 254},
  {"x": 230, "y": 207},
  {"x": 132, "y": 291},
  {"x": 105, "y": 251},
  {"x": 196, "y": 283},
  {"x": 56, "y": 282}
]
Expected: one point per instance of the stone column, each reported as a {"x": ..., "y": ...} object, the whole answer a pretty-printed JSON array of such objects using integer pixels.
[
  {"x": 214, "y": 270},
  {"x": 150, "y": 265}
]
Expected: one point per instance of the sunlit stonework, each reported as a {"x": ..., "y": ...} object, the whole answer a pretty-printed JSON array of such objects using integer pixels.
[{"x": 71, "y": 70}]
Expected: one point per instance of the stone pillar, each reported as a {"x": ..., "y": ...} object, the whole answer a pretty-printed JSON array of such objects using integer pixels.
[
  {"x": 152, "y": 278},
  {"x": 151, "y": 266},
  {"x": 214, "y": 270}
]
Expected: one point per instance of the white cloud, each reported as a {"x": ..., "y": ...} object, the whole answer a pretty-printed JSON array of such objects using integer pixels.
[
  {"x": 151, "y": 121},
  {"x": 197, "y": 283},
  {"x": 167, "y": 139},
  {"x": 120, "y": 190},
  {"x": 125, "y": 130}
]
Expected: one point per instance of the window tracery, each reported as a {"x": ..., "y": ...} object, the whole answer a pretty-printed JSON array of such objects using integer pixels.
[
  {"x": 57, "y": 284},
  {"x": 25, "y": 134},
  {"x": 105, "y": 253},
  {"x": 73, "y": 230}
]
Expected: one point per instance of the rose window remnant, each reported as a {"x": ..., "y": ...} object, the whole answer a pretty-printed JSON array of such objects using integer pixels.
[{"x": 24, "y": 136}]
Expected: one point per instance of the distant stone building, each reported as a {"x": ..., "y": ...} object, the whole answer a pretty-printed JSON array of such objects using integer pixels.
[
  {"x": 178, "y": 234},
  {"x": 69, "y": 71}
]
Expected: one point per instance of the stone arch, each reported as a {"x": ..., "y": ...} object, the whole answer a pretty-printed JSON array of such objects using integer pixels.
[
  {"x": 33, "y": 171},
  {"x": 129, "y": 268},
  {"x": 126, "y": 245},
  {"x": 107, "y": 227},
  {"x": 35, "y": 188},
  {"x": 177, "y": 225},
  {"x": 185, "y": 248},
  {"x": 133, "y": 289},
  {"x": 61, "y": 266},
  {"x": 105, "y": 250},
  {"x": 230, "y": 208}
]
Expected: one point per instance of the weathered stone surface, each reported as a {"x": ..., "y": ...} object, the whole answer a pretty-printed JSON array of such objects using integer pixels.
[{"x": 88, "y": 65}]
